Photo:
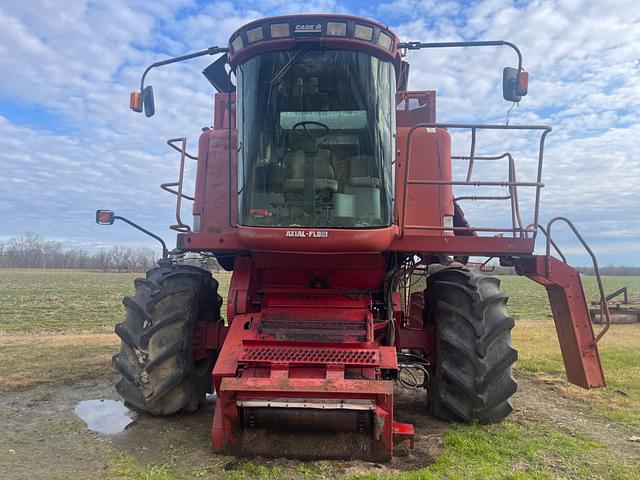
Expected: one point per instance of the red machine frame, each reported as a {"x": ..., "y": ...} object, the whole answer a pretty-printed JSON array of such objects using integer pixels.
[{"x": 294, "y": 339}]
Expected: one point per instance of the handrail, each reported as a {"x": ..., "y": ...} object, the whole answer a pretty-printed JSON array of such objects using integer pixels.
[
  {"x": 516, "y": 218},
  {"x": 512, "y": 183},
  {"x": 603, "y": 297},
  {"x": 555, "y": 246},
  {"x": 183, "y": 148},
  {"x": 180, "y": 226}
]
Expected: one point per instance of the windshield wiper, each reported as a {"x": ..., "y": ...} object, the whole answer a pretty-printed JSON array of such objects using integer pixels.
[{"x": 277, "y": 78}]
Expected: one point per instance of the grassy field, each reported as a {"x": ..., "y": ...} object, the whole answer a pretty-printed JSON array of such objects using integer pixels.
[
  {"x": 539, "y": 353},
  {"x": 61, "y": 300},
  {"x": 28, "y": 360},
  {"x": 66, "y": 300},
  {"x": 73, "y": 300},
  {"x": 529, "y": 300},
  {"x": 55, "y": 327}
]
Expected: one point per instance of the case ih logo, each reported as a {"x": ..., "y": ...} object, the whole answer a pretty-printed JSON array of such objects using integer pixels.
[
  {"x": 307, "y": 234},
  {"x": 308, "y": 28}
]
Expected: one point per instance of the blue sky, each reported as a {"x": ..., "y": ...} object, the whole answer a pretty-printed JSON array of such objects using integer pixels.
[{"x": 69, "y": 144}]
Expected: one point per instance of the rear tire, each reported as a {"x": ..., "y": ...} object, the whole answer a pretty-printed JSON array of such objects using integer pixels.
[
  {"x": 158, "y": 372},
  {"x": 472, "y": 378}
]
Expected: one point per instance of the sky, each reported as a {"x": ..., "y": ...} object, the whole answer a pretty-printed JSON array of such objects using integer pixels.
[{"x": 69, "y": 143}]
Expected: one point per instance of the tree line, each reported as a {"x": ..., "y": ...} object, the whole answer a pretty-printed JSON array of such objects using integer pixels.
[{"x": 33, "y": 251}]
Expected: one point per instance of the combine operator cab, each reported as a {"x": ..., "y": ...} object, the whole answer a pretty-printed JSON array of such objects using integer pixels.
[
  {"x": 328, "y": 189},
  {"x": 315, "y": 136}
]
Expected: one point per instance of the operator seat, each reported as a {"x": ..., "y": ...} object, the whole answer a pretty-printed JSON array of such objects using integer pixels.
[
  {"x": 364, "y": 187},
  {"x": 360, "y": 174},
  {"x": 325, "y": 175}
]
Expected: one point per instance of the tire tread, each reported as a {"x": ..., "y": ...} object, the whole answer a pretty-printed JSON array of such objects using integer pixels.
[
  {"x": 158, "y": 332},
  {"x": 472, "y": 379}
]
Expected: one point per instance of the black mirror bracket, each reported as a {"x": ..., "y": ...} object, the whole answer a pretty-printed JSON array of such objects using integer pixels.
[
  {"x": 514, "y": 80},
  {"x": 107, "y": 217},
  {"x": 147, "y": 93},
  {"x": 486, "y": 43}
]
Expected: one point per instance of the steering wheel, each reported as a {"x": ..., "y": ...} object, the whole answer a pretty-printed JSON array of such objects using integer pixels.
[{"x": 306, "y": 132}]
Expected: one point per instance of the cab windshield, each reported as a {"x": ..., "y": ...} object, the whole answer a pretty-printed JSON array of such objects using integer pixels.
[{"x": 315, "y": 139}]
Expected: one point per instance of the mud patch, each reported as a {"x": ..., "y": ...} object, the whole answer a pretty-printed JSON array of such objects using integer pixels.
[
  {"x": 43, "y": 438},
  {"x": 543, "y": 402}
]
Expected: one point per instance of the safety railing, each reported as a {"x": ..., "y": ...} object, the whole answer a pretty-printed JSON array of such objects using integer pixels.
[
  {"x": 550, "y": 240},
  {"x": 516, "y": 217},
  {"x": 512, "y": 184},
  {"x": 177, "y": 187},
  {"x": 604, "y": 306}
]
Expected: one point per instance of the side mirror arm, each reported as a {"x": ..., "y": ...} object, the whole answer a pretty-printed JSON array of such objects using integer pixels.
[
  {"x": 107, "y": 217},
  {"x": 144, "y": 99},
  {"x": 515, "y": 80},
  {"x": 487, "y": 43},
  {"x": 189, "y": 56}
]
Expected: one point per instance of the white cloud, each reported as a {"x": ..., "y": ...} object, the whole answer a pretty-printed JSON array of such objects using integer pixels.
[{"x": 77, "y": 64}]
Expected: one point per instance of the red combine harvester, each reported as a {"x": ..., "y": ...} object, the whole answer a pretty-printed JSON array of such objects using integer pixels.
[{"x": 328, "y": 189}]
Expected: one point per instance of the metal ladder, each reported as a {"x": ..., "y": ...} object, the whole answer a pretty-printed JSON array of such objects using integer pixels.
[{"x": 179, "y": 226}]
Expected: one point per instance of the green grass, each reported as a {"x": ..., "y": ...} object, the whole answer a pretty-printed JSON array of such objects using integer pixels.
[
  {"x": 124, "y": 467},
  {"x": 508, "y": 451},
  {"x": 71, "y": 301},
  {"x": 27, "y": 360},
  {"x": 67, "y": 300},
  {"x": 61, "y": 300},
  {"x": 539, "y": 353},
  {"x": 529, "y": 300}
]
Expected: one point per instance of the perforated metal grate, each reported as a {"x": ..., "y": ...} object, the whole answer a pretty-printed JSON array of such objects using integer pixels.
[{"x": 325, "y": 356}]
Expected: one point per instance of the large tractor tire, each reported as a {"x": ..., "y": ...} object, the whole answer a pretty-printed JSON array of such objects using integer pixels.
[
  {"x": 158, "y": 372},
  {"x": 472, "y": 378}
]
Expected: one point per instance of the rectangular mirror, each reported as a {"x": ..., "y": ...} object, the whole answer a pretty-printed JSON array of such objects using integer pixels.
[
  {"x": 147, "y": 101},
  {"x": 509, "y": 84}
]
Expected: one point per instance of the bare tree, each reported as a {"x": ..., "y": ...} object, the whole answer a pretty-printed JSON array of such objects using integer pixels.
[
  {"x": 103, "y": 259},
  {"x": 121, "y": 257},
  {"x": 32, "y": 251},
  {"x": 52, "y": 254},
  {"x": 143, "y": 259}
]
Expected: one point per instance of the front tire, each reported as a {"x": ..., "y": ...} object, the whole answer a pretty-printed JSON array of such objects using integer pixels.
[
  {"x": 158, "y": 372},
  {"x": 472, "y": 378}
]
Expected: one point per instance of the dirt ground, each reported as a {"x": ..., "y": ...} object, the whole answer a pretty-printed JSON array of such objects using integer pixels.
[{"x": 42, "y": 437}]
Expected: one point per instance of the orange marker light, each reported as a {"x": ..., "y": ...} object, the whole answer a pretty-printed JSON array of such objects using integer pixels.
[
  {"x": 135, "y": 102},
  {"x": 523, "y": 84}
]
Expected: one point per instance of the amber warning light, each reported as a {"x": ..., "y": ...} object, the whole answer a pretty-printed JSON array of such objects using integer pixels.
[
  {"x": 522, "y": 83},
  {"x": 135, "y": 102}
]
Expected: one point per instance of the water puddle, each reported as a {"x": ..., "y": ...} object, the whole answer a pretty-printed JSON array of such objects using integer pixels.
[{"x": 105, "y": 416}]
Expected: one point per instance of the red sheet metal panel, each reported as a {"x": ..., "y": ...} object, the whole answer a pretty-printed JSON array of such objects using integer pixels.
[
  {"x": 571, "y": 316},
  {"x": 429, "y": 159},
  {"x": 237, "y": 390}
]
